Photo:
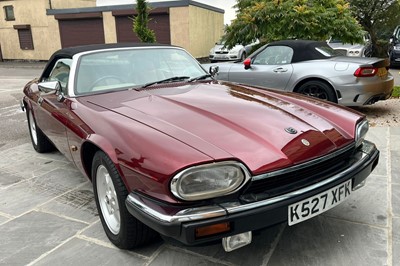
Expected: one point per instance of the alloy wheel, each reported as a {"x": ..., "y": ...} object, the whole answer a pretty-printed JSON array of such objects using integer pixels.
[{"x": 108, "y": 199}]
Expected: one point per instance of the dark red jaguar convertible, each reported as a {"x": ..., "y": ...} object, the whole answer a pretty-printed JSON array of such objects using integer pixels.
[{"x": 171, "y": 151}]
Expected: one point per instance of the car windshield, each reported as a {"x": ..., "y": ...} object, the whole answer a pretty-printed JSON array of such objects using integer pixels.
[{"x": 134, "y": 68}]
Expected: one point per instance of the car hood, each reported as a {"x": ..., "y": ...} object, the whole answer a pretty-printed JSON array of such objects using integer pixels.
[
  {"x": 221, "y": 47},
  {"x": 228, "y": 121}
]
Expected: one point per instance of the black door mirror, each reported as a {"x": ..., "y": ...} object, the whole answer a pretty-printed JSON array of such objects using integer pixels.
[{"x": 213, "y": 70}]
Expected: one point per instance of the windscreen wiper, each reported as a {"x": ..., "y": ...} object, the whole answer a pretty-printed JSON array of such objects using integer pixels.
[
  {"x": 200, "y": 77},
  {"x": 172, "y": 79}
]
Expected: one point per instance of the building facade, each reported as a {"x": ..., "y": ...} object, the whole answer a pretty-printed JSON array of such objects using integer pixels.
[{"x": 34, "y": 29}]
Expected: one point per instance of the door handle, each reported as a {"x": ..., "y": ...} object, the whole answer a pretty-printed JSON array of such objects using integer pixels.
[{"x": 280, "y": 70}]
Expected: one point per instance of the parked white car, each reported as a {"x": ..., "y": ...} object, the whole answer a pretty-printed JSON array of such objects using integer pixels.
[
  {"x": 220, "y": 53},
  {"x": 355, "y": 50}
]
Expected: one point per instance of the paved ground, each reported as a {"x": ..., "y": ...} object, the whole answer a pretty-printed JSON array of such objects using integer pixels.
[{"x": 48, "y": 215}]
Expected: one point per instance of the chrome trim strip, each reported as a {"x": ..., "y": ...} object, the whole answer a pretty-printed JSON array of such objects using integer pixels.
[
  {"x": 186, "y": 215},
  {"x": 201, "y": 213},
  {"x": 306, "y": 164},
  {"x": 22, "y": 105}
]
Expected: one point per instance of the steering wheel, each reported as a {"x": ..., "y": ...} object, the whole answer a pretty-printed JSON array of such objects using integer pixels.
[{"x": 108, "y": 77}]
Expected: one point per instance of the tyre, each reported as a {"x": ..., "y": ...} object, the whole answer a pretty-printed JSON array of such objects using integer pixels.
[
  {"x": 39, "y": 140},
  {"x": 318, "y": 89},
  {"x": 123, "y": 230}
]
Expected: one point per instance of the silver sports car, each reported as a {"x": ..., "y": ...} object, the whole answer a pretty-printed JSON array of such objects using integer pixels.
[{"x": 315, "y": 69}]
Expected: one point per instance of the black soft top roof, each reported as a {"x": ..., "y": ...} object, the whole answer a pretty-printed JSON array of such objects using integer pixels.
[
  {"x": 71, "y": 51},
  {"x": 303, "y": 50}
]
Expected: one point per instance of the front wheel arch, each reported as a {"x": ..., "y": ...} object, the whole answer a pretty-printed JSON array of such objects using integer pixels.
[
  {"x": 88, "y": 151},
  {"x": 334, "y": 97},
  {"x": 92, "y": 144}
]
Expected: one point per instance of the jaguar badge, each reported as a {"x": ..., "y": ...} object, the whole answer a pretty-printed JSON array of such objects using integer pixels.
[{"x": 305, "y": 142}]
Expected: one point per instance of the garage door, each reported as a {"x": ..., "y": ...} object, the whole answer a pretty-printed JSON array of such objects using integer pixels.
[
  {"x": 81, "y": 31},
  {"x": 159, "y": 23}
]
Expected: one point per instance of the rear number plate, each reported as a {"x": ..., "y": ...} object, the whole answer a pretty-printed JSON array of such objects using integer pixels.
[{"x": 318, "y": 204}]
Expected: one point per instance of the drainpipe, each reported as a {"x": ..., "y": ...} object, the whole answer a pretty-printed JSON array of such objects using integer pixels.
[{"x": 50, "y": 4}]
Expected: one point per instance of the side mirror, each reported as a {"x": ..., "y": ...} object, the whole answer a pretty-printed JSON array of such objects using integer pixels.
[
  {"x": 213, "y": 70},
  {"x": 49, "y": 86},
  {"x": 247, "y": 63},
  {"x": 52, "y": 87}
]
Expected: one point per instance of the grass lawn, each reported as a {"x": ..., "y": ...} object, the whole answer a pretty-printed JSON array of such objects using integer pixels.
[{"x": 396, "y": 92}]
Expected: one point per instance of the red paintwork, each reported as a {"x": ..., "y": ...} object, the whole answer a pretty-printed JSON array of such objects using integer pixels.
[{"x": 152, "y": 134}]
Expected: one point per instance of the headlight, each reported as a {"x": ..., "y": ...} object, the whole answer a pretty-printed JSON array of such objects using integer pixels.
[
  {"x": 209, "y": 181},
  {"x": 397, "y": 48},
  {"x": 361, "y": 131},
  {"x": 354, "y": 52}
]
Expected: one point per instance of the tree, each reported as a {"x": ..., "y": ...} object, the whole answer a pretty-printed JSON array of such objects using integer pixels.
[
  {"x": 141, "y": 21},
  {"x": 378, "y": 18},
  {"x": 270, "y": 20}
]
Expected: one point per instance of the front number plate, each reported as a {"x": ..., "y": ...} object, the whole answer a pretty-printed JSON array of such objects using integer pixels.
[{"x": 318, "y": 204}]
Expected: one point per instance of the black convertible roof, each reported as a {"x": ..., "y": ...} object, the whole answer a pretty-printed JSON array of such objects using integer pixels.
[
  {"x": 303, "y": 49},
  {"x": 71, "y": 51}
]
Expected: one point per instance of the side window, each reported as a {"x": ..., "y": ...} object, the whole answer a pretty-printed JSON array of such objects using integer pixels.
[
  {"x": 60, "y": 73},
  {"x": 9, "y": 13},
  {"x": 274, "y": 55}
]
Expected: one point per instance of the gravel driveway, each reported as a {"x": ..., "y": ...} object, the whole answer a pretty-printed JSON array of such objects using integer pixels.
[{"x": 382, "y": 113}]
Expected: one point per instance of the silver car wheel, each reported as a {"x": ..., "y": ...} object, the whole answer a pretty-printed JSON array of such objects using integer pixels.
[
  {"x": 108, "y": 199},
  {"x": 32, "y": 127}
]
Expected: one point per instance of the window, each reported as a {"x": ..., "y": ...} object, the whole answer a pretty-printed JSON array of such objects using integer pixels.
[
  {"x": 9, "y": 12},
  {"x": 130, "y": 68},
  {"x": 25, "y": 36},
  {"x": 60, "y": 73},
  {"x": 328, "y": 51},
  {"x": 274, "y": 55}
]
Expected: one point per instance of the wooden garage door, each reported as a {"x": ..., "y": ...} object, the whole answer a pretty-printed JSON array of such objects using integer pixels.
[
  {"x": 81, "y": 31},
  {"x": 159, "y": 23}
]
